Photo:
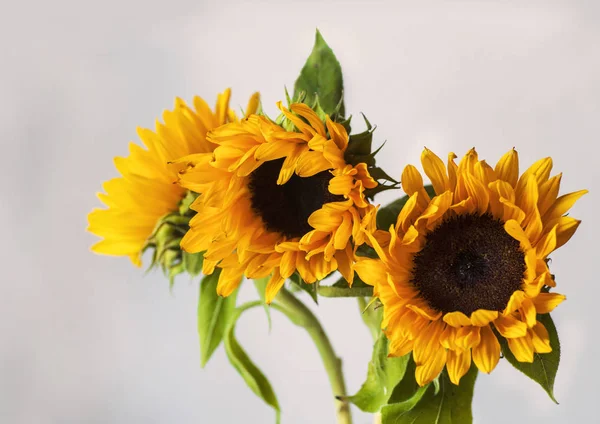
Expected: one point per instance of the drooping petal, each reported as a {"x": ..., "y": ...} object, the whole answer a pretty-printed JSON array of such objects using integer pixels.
[
  {"x": 487, "y": 353},
  {"x": 457, "y": 364}
]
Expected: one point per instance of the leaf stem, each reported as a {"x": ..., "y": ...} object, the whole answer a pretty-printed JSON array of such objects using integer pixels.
[
  {"x": 302, "y": 316},
  {"x": 330, "y": 291}
]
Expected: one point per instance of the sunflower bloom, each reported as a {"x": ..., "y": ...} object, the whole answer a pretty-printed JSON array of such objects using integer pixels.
[
  {"x": 273, "y": 202},
  {"x": 470, "y": 263},
  {"x": 145, "y": 192}
]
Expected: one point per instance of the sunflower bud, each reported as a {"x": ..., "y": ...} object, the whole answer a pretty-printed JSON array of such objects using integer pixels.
[{"x": 166, "y": 238}]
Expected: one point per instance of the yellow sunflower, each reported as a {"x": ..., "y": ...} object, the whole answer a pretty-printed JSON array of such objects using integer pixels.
[
  {"x": 146, "y": 191},
  {"x": 274, "y": 202},
  {"x": 470, "y": 263}
]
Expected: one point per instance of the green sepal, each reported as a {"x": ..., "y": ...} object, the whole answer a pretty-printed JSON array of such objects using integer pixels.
[
  {"x": 360, "y": 146},
  {"x": 165, "y": 242},
  {"x": 387, "y": 215},
  {"x": 252, "y": 375},
  {"x": 192, "y": 262},
  {"x": 450, "y": 404},
  {"x": 214, "y": 315},
  {"x": 311, "y": 289},
  {"x": 321, "y": 77},
  {"x": 544, "y": 367},
  {"x": 186, "y": 202},
  {"x": 383, "y": 375}
]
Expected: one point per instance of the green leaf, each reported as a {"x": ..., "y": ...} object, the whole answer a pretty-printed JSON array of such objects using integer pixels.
[
  {"x": 214, "y": 314},
  {"x": 421, "y": 405},
  {"x": 388, "y": 214},
  {"x": 240, "y": 360},
  {"x": 321, "y": 78},
  {"x": 545, "y": 365},
  {"x": 192, "y": 262},
  {"x": 383, "y": 375},
  {"x": 311, "y": 289}
]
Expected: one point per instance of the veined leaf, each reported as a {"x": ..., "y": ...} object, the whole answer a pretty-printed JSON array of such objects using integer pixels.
[
  {"x": 382, "y": 376},
  {"x": 214, "y": 314},
  {"x": 544, "y": 367},
  {"x": 451, "y": 405},
  {"x": 321, "y": 79}
]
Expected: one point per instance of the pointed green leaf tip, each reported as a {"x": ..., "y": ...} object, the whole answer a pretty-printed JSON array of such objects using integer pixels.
[
  {"x": 321, "y": 80},
  {"x": 252, "y": 375},
  {"x": 545, "y": 365}
]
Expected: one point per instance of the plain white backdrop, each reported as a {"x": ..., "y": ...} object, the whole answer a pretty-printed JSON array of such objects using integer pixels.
[{"x": 90, "y": 339}]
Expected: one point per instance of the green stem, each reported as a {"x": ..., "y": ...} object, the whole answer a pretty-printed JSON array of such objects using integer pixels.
[
  {"x": 330, "y": 291},
  {"x": 300, "y": 315},
  {"x": 377, "y": 418}
]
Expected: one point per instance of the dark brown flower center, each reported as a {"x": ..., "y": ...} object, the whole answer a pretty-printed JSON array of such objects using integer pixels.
[
  {"x": 469, "y": 262},
  {"x": 285, "y": 208}
]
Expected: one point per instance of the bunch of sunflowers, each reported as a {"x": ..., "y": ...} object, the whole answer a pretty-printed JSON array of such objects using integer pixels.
[{"x": 451, "y": 277}]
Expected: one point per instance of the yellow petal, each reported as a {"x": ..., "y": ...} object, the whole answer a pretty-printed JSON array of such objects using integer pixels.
[
  {"x": 436, "y": 171},
  {"x": 540, "y": 338},
  {"x": 483, "y": 317},
  {"x": 428, "y": 371},
  {"x": 563, "y": 204},
  {"x": 253, "y": 104},
  {"x": 448, "y": 338},
  {"x": 565, "y": 228},
  {"x": 528, "y": 312},
  {"x": 427, "y": 343},
  {"x": 371, "y": 271},
  {"x": 308, "y": 114},
  {"x": 507, "y": 168},
  {"x": 311, "y": 163},
  {"x": 546, "y": 302},
  {"x": 468, "y": 337},
  {"x": 452, "y": 168},
  {"x": 456, "y": 319},
  {"x": 229, "y": 280},
  {"x": 487, "y": 353},
  {"x": 457, "y": 364},
  {"x": 412, "y": 182},
  {"x": 548, "y": 193},
  {"x": 274, "y": 285},
  {"x": 325, "y": 220},
  {"x": 522, "y": 348},
  {"x": 513, "y": 228},
  {"x": 547, "y": 244},
  {"x": 514, "y": 302},
  {"x": 288, "y": 264},
  {"x": 510, "y": 327},
  {"x": 540, "y": 170}
]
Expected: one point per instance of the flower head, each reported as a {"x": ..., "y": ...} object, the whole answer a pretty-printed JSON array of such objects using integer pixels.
[
  {"x": 273, "y": 202},
  {"x": 146, "y": 192},
  {"x": 458, "y": 269}
]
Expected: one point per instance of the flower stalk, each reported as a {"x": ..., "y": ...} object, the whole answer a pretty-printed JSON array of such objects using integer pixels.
[{"x": 302, "y": 316}]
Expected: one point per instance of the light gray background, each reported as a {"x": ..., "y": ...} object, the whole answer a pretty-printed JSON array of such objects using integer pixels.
[{"x": 89, "y": 339}]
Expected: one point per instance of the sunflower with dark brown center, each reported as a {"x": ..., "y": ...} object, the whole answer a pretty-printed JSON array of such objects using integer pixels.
[
  {"x": 458, "y": 269},
  {"x": 274, "y": 202}
]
